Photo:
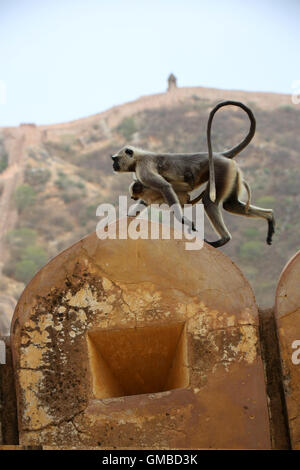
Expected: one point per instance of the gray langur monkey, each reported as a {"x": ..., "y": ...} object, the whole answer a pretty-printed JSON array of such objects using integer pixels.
[{"x": 171, "y": 174}]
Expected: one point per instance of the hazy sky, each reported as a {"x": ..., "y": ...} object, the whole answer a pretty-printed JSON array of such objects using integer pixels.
[{"x": 65, "y": 59}]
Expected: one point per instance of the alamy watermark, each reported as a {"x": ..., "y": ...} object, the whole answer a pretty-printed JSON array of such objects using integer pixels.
[
  {"x": 139, "y": 227},
  {"x": 296, "y": 92},
  {"x": 296, "y": 353},
  {"x": 2, "y": 352}
]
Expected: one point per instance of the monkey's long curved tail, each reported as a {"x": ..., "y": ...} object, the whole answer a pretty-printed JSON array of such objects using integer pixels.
[{"x": 234, "y": 150}]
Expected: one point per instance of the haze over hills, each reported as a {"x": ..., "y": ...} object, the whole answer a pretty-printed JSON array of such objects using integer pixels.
[{"x": 53, "y": 178}]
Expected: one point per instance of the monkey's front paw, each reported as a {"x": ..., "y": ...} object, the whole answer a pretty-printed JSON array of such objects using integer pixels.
[
  {"x": 189, "y": 224},
  {"x": 135, "y": 214}
]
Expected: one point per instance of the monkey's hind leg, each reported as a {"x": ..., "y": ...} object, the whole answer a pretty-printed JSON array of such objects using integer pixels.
[
  {"x": 214, "y": 214},
  {"x": 235, "y": 206}
]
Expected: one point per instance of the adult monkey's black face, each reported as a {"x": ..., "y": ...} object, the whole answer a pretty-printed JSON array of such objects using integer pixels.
[
  {"x": 124, "y": 160},
  {"x": 116, "y": 165}
]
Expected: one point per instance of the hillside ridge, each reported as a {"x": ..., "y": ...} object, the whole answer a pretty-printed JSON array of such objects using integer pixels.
[{"x": 114, "y": 114}]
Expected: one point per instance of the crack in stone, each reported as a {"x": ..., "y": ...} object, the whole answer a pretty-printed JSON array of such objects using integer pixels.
[
  {"x": 199, "y": 294},
  {"x": 77, "y": 431},
  {"x": 54, "y": 423},
  {"x": 289, "y": 313}
]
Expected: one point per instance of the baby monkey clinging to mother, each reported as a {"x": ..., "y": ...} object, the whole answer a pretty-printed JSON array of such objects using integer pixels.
[{"x": 171, "y": 176}]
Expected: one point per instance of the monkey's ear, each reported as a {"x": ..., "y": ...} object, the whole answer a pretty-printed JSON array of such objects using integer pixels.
[{"x": 129, "y": 152}]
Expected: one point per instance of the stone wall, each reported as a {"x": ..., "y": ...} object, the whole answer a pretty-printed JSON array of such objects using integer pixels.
[
  {"x": 287, "y": 310},
  {"x": 143, "y": 344},
  {"x": 139, "y": 343}
]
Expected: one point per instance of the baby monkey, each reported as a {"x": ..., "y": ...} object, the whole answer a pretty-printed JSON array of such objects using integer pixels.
[{"x": 147, "y": 196}]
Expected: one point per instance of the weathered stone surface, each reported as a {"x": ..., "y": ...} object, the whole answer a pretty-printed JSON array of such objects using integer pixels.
[
  {"x": 139, "y": 344},
  {"x": 287, "y": 310}
]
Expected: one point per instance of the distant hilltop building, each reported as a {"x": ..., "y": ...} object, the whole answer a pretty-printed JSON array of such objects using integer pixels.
[
  {"x": 172, "y": 82},
  {"x": 27, "y": 124}
]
